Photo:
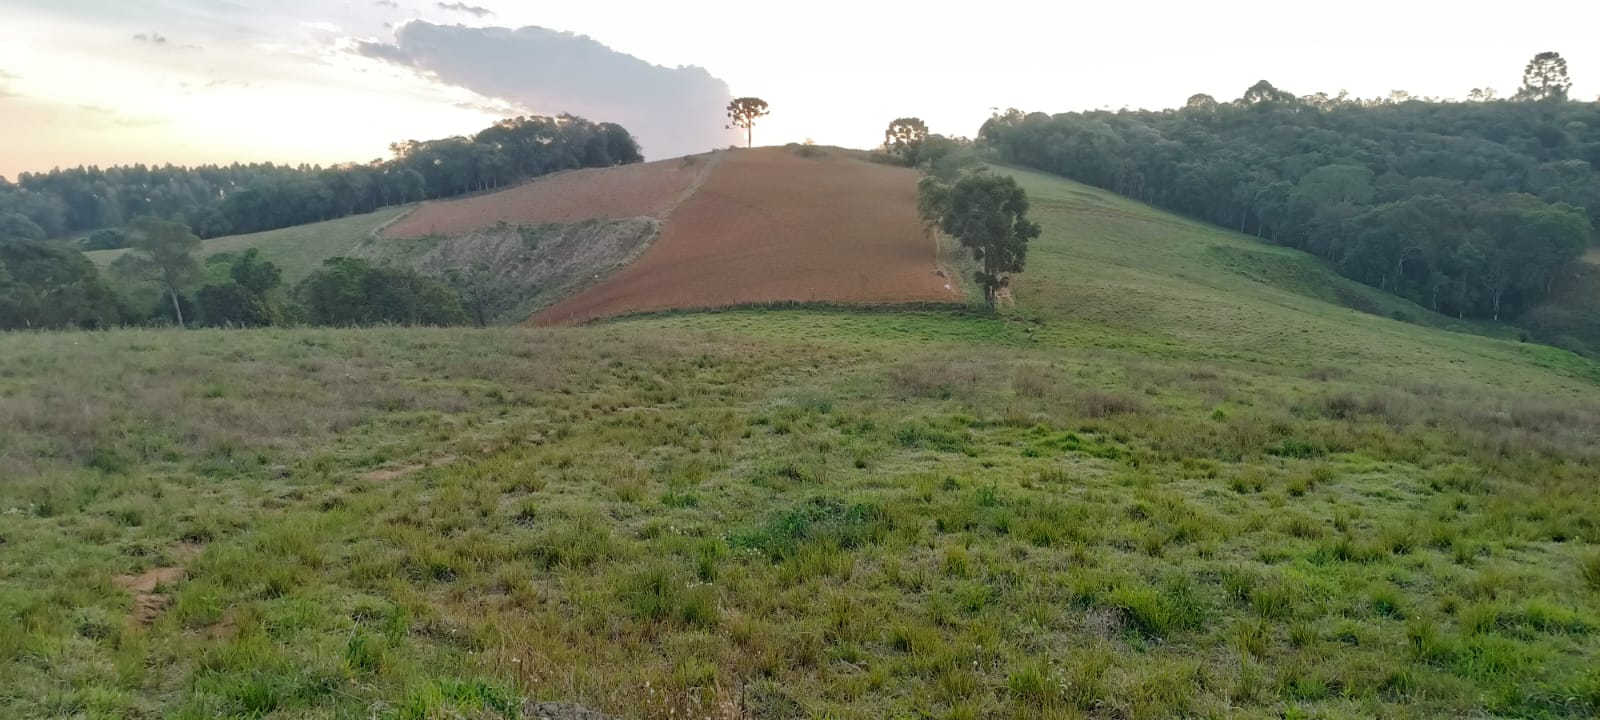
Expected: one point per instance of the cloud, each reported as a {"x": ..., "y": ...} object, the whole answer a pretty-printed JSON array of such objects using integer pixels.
[
  {"x": 472, "y": 10},
  {"x": 195, "y": 88},
  {"x": 491, "y": 106},
  {"x": 159, "y": 40},
  {"x": 671, "y": 111},
  {"x": 100, "y": 115},
  {"x": 391, "y": 4}
]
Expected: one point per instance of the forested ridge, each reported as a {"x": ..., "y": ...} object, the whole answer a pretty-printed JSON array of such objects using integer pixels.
[
  {"x": 1475, "y": 209},
  {"x": 162, "y": 213},
  {"x": 218, "y": 200}
]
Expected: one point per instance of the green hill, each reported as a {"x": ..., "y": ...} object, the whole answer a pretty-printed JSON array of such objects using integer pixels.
[
  {"x": 1185, "y": 474},
  {"x": 296, "y": 250},
  {"x": 1112, "y": 273}
]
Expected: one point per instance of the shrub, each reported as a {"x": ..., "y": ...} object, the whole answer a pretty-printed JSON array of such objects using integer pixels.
[
  {"x": 823, "y": 519},
  {"x": 1589, "y": 569},
  {"x": 658, "y": 594}
]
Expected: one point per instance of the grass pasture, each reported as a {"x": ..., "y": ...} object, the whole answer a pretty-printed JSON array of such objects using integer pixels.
[
  {"x": 1168, "y": 482},
  {"x": 296, "y": 250}
]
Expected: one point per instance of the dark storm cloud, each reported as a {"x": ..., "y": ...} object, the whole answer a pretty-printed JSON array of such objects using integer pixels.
[
  {"x": 472, "y": 10},
  {"x": 671, "y": 111}
]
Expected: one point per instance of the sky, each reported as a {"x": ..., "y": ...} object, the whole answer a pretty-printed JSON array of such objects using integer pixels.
[{"x": 103, "y": 82}]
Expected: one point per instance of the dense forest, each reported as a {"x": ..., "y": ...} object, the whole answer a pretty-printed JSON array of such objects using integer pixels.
[
  {"x": 162, "y": 214},
  {"x": 1476, "y": 209},
  {"x": 236, "y": 199}
]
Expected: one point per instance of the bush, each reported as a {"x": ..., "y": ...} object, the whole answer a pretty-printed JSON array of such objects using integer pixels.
[
  {"x": 348, "y": 291},
  {"x": 105, "y": 240}
]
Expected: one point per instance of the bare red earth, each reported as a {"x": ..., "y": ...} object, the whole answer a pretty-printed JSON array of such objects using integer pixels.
[
  {"x": 643, "y": 190},
  {"x": 770, "y": 226}
]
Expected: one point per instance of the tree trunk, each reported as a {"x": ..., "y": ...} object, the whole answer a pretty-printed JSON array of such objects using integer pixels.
[
  {"x": 176, "y": 310},
  {"x": 750, "y": 135}
]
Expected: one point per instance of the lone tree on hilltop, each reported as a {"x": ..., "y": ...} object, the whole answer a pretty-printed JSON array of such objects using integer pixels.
[
  {"x": 905, "y": 137},
  {"x": 744, "y": 112},
  {"x": 163, "y": 253},
  {"x": 989, "y": 214},
  {"x": 1545, "y": 78}
]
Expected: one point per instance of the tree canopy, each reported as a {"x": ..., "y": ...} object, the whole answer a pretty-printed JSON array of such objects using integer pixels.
[
  {"x": 50, "y": 286},
  {"x": 1545, "y": 78},
  {"x": 1472, "y": 209},
  {"x": 163, "y": 253},
  {"x": 743, "y": 113},
  {"x": 905, "y": 137},
  {"x": 988, "y": 214},
  {"x": 246, "y": 298},
  {"x": 350, "y": 291},
  {"x": 235, "y": 199}
]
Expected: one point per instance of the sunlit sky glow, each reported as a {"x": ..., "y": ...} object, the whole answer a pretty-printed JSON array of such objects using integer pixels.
[{"x": 105, "y": 82}]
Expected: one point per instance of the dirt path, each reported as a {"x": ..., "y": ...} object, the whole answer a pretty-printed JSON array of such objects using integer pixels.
[{"x": 147, "y": 603}]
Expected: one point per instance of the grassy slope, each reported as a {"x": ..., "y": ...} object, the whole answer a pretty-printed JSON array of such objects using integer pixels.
[
  {"x": 1154, "y": 488},
  {"x": 296, "y": 250},
  {"x": 1114, "y": 274},
  {"x": 1568, "y": 318}
]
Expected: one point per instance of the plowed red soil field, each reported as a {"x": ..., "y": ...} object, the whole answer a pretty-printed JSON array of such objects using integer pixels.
[
  {"x": 643, "y": 190},
  {"x": 770, "y": 226}
]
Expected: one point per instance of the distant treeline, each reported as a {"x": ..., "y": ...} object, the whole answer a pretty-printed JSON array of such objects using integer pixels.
[
  {"x": 50, "y": 286},
  {"x": 1473, "y": 209},
  {"x": 234, "y": 199}
]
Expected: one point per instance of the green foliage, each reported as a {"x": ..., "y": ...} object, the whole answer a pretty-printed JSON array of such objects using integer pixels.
[
  {"x": 659, "y": 594},
  {"x": 105, "y": 239},
  {"x": 238, "y": 199},
  {"x": 247, "y": 300},
  {"x": 49, "y": 286},
  {"x": 821, "y": 520},
  {"x": 349, "y": 291},
  {"x": 904, "y": 139},
  {"x": 1545, "y": 79},
  {"x": 988, "y": 214},
  {"x": 1589, "y": 569},
  {"x": 16, "y": 227},
  {"x": 1409, "y": 197},
  {"x": 162, "y": 254}
]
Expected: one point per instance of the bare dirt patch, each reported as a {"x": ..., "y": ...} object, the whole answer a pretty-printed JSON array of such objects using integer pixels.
[
  {"x": 404, "y": 470},
  {"x": 643, "y": 190},
  {"x": 147, "y": 603},
  {"x": 769, "y": 226}
]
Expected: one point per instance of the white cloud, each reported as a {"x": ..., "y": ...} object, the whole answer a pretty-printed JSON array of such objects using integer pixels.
[{"x": 672, "y": 111}]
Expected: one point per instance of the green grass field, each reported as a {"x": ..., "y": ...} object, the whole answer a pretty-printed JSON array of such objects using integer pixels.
[
  {"x": 296, "y": 250},
  {"x": 1173, "y": 480}
]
